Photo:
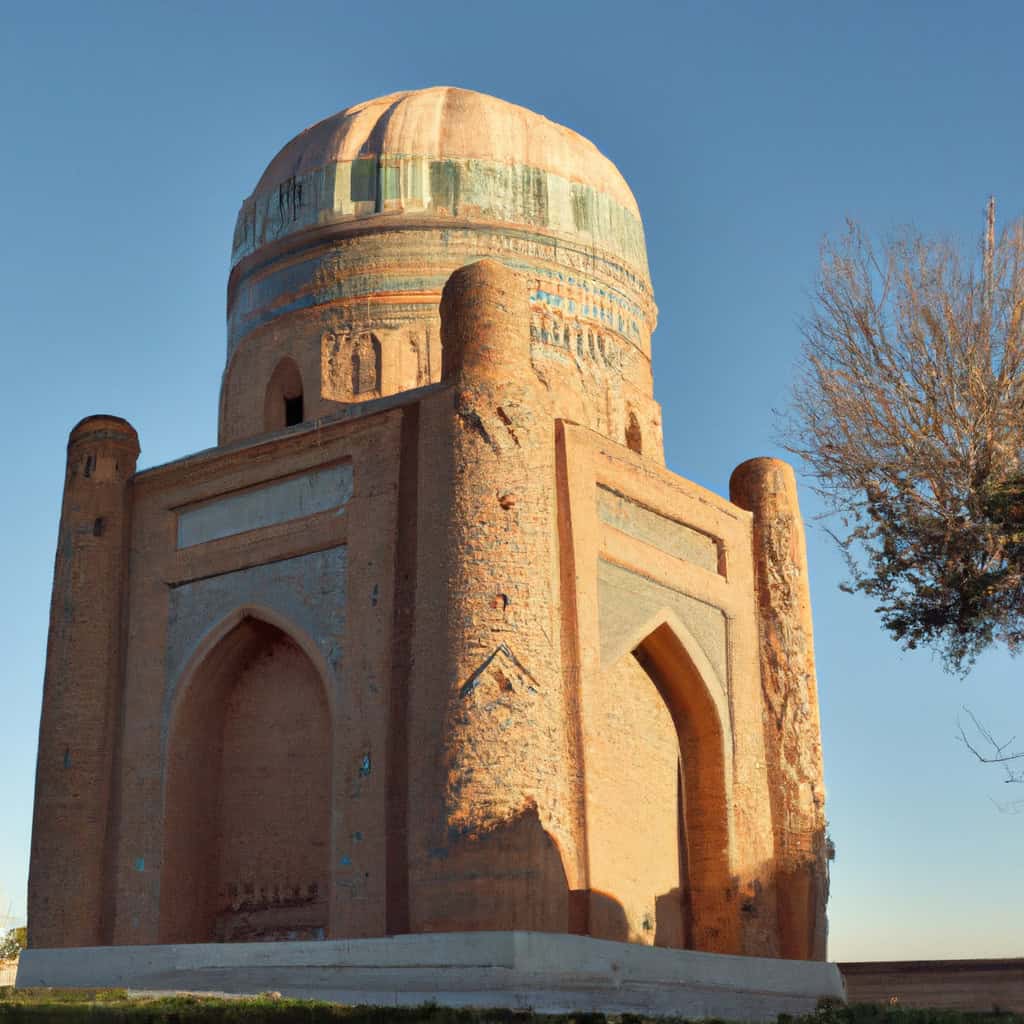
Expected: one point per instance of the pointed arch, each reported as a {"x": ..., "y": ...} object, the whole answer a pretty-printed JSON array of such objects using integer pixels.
[
  {"x": 211, "y": 640},
  {"x": 658, "y": 762},
  {"x": 699, "y": 707},
  {"x": 247, "y": 787},
  {"x": 706, "y": 677},
  {"x": 284, "y": 401}
]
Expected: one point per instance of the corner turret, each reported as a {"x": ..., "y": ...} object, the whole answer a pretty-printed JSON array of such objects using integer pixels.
[
  {"x": 67, "y": 897},
  {"x": 792, "y": 729},
  {"x": 490, "y": 659}
]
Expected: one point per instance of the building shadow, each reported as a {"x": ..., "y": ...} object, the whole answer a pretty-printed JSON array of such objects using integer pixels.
[{"x": 506, "y": 877}]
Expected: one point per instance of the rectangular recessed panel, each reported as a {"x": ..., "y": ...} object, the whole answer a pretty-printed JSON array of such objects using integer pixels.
[
  {"x": 279, "y": 502},
  {"x": 682, "y": 542}
]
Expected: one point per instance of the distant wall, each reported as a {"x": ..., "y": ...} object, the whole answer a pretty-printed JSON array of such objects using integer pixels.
[{"x": 938, "y": 984}]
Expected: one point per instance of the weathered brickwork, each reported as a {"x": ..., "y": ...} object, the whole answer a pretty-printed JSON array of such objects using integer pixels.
[
  {"x": 767, "y": 487},
  {"x": 432, "y": 640},
  {"x": 69, "y": 885},
  {"x": 248, "y": 859},
  {"x": 636, "y": 847},
  {"x": 442, "y": 177}
]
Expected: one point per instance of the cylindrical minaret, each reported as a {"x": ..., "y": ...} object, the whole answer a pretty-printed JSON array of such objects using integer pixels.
[
  {"x": 66, "y": 888},
  {"x": 767, "y": 488},
  {"x": 500, "y": 856}
]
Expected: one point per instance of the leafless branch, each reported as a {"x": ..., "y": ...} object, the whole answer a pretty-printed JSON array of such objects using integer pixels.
[
  {"x": 908, "y": 412},
  {"x": 991, "y": 750}
]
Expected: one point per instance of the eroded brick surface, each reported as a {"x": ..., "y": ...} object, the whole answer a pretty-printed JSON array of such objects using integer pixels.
[{"x": 432, "y": 640}]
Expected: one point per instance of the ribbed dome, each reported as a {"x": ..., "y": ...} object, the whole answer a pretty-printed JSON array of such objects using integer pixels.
[
  {"x": 357, "y": 223},
  {"x": 446, "y": 155},
  {"x": 446, "y": 122}
]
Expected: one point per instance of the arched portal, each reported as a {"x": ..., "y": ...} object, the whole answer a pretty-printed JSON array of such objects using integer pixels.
[
  {"x": 657, "y": 797},
  {"x": 705, "y": 805},
  {"x": 633, "y": 821},
  {"x": 247, "y": 795}
]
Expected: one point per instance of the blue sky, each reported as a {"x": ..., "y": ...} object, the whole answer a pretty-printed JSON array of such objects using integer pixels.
[{"x": 132, "y": 132}]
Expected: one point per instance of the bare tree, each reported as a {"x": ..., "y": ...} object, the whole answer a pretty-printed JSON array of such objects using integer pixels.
[
  {"x": 987, "y": 749},
  {"x": 908, "y": 412}
]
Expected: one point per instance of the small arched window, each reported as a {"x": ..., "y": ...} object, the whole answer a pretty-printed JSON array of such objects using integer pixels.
[
  {"x": 284, "y": 405},
  {"x": 634, "y": 439}
]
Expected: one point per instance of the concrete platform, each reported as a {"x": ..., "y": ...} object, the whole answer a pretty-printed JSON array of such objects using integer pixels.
[{"x": 549, "y": 973}]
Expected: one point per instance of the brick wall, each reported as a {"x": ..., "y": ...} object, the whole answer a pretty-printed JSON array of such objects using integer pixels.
[
  {"x": 415, "y": 701},
  {"x": 980, "y": 985}
]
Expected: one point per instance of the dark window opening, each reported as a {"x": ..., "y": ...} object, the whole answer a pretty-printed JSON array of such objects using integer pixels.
[
  {"x": 293, "y": 411},
  {"x": 90, "y": 463},
  {"x": 282, "y": 402},
  {"x": 98, "y": 526}
]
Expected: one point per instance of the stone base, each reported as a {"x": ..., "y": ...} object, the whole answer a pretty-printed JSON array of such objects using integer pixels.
[{"x": 549, "y": 973}]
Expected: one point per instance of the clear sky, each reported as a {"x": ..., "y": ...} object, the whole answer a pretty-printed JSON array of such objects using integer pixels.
[{"x": 131, "y": 133}]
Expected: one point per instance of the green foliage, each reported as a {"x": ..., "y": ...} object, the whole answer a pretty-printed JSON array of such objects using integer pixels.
[
  {"x": 70, "y": 1006},
  {"x": 13, "y": 943}
]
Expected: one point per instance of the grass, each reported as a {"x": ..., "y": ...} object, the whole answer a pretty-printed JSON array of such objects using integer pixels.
[{"x": 93, "y": 1006}]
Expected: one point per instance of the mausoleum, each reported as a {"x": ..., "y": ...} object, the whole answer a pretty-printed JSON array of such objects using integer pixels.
[{"x": 432, "y": 641}]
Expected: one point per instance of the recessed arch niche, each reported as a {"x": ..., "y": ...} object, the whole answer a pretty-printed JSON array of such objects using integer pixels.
[
  {"x": 247, "y": 798},
  {"x": 284, "y": 403},
  {"x": 365, "y": 367},
  {"x": 684, "y": 679},
  {"x": 659, "y": 795}
]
